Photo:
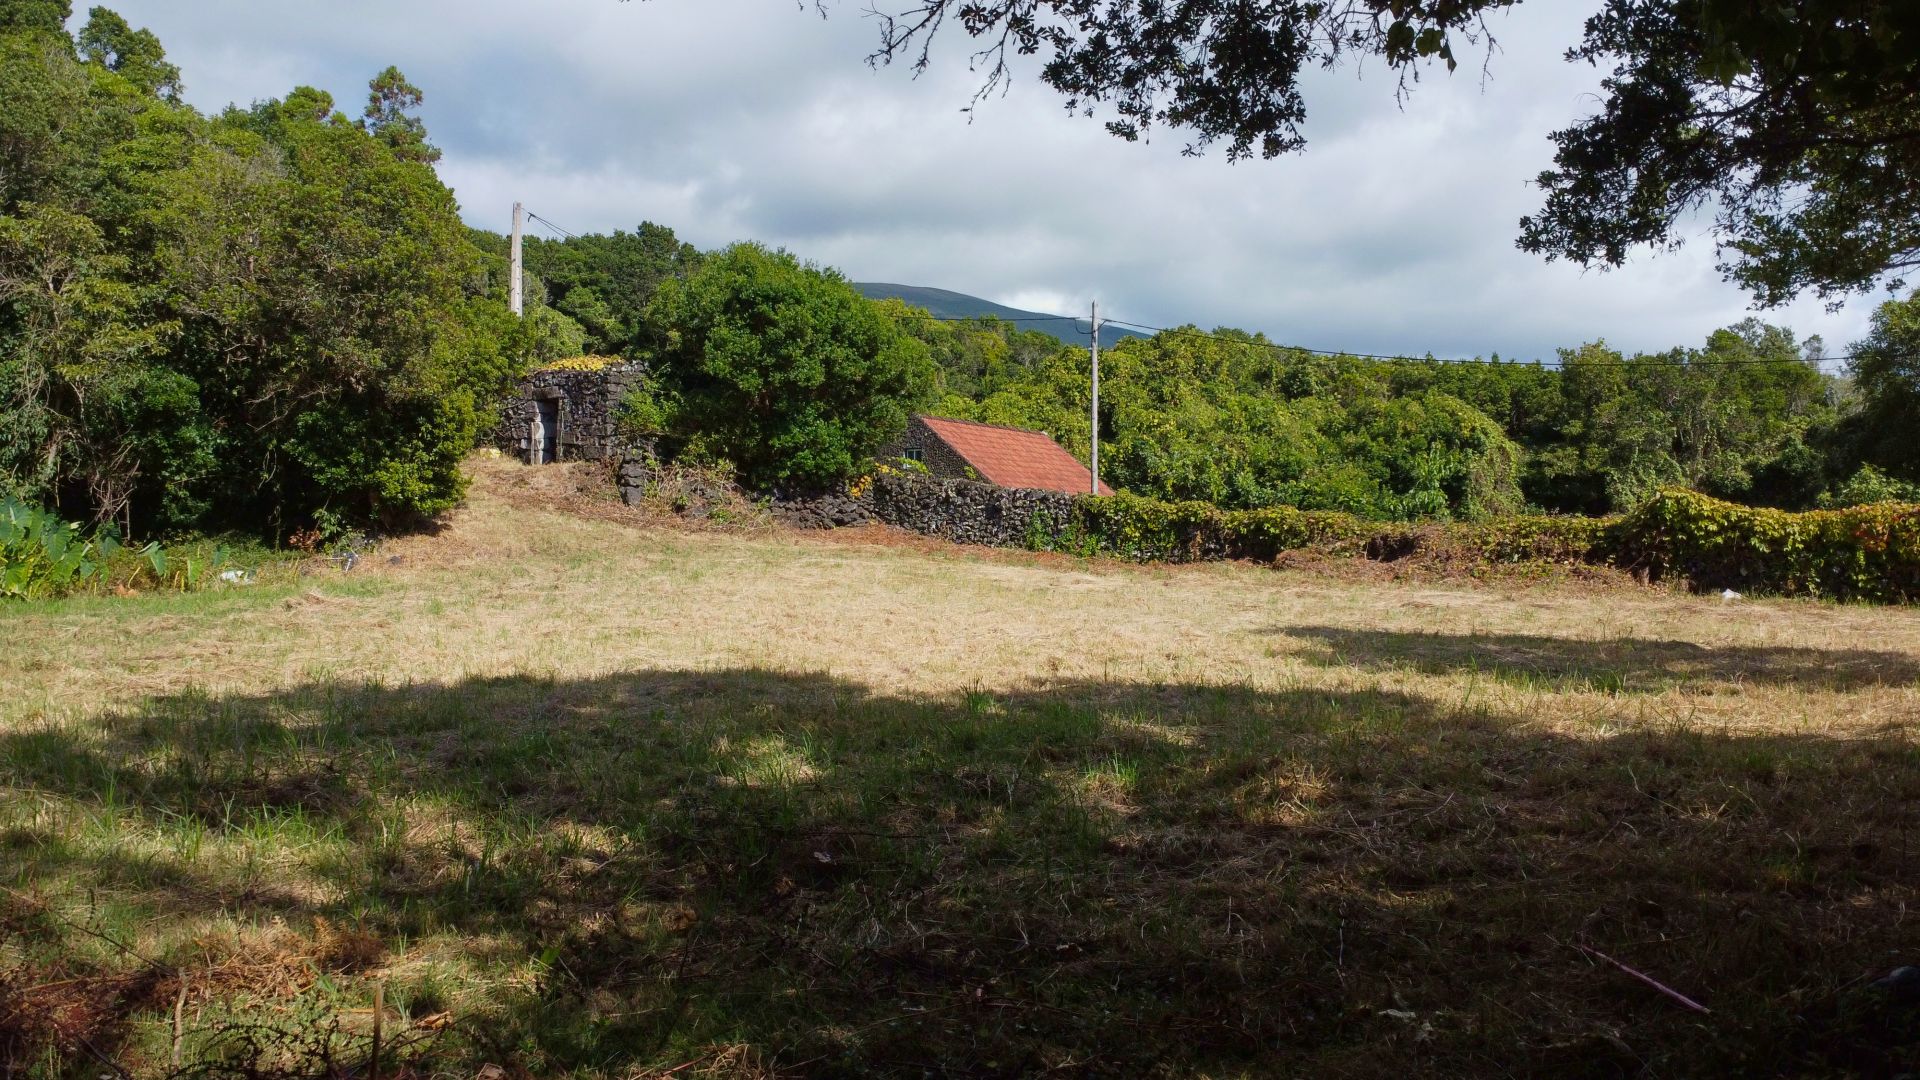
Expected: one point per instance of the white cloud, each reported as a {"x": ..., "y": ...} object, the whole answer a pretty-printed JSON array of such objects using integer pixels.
[{"x": 749, "y": 119}]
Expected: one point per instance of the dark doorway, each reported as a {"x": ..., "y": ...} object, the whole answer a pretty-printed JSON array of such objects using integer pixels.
[{"x": 545, "y": 446}]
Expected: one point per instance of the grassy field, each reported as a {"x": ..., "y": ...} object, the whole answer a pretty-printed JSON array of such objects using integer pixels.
[{"x": 581, "y": 795}]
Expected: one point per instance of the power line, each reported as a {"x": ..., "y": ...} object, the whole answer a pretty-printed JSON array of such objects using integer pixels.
[
  {"x": 1390, "y": 358},
  {"x": 1642, "y": 361},
  {"x": 531, "y": 216}
]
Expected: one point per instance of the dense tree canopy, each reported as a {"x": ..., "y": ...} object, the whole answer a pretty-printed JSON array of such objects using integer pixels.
[
  {"x": 274, "y": 317},
  {"x": 605, "y": 282},
  {"x": 1886, "y": 373},
  {"x": 264, "y": 319},
  {"x": 1797, "y": 125},
  {"x": 781, "y": 368},
  {"x": 1233, "y": 419}
]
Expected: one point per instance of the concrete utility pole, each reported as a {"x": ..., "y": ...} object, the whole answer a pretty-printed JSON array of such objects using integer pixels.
[
  {"x": 516, "y": 303},
  {"x": 1095, "y": 469}
]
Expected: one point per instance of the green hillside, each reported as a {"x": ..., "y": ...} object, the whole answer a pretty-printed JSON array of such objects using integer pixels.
[{"x": 948, "y": 304}]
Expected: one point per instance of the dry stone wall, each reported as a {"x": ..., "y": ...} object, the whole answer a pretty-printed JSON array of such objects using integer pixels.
[
  {"x": 588, "y": 406},
  {"x": 967, "y": 511}
]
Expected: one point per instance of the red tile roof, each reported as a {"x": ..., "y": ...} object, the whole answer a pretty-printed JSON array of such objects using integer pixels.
[{"x": 1013, "y": 457}]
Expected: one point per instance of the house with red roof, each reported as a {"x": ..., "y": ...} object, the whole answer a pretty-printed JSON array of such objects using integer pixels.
[{"x": 1007, "y": 456}]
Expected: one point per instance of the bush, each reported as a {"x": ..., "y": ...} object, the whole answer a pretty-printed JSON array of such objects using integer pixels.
[
  {"x": 1867, "y": 486},
  {"x": 41, "y": 555},
  {"x": 1148, "y": 530},
  {"x": 235, "y": 322},
  {"x": 44, "y": 556},
  {"x": 1151, "y": 530},
  {"x": 1557, "y": 539},
  {"x": 1864, "y": 552},
  {"x": 781, "y": 368}
]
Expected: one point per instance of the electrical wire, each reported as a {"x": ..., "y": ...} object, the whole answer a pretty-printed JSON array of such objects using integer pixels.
[
  {"x": 1086, "y": 332},
  {"x": 531, "y": 216},
  {"x": 1642, "y": 361}
]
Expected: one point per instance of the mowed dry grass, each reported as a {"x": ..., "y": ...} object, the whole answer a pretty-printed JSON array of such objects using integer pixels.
[
  {"x": 516, "y": 585},
  {"x": 595, "y": 794}
]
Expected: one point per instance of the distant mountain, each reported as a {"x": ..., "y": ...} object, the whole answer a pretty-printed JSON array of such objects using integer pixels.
[{"x": 952, "y": 305}]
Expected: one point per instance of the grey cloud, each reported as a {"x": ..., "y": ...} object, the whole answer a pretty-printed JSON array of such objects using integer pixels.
[{"x": 750, "y": 119}]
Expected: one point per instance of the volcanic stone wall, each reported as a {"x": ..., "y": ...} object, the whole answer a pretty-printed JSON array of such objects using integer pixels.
[
  {"x": 588, "y": 406},
  {"x": 968, "y": 511},
  {"x": 938, "y": 458}
]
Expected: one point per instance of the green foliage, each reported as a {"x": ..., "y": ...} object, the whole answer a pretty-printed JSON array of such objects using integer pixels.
[
  {"x": 1869, "y": 486},
  {"x": 1149, "y": 530},
  {"x": 1886, "y": 375},
  {"x": 391, "y": 100},
  {"x": 235, "y": 321},
  {"x": 1864, "y": 552},
  {"x": 37, "y": 16},
  {"x": 134, "y": 55},
  {"x": 782, "y": 368},
  {"x": 1792, "y": 121},
  {"x": 648, "y": 410},
  {"x": 1735, "y": 419},
  {"x": 41, "y": 555},
  {"x": 1861, "y": 553},
  {"x": 604, "y": 283}
]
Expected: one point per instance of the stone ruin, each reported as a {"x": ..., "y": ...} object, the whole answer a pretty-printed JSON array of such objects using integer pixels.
[{"x": 567, "y": 414}]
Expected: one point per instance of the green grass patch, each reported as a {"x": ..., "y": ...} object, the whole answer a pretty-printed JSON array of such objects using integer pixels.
[{"x": 783, "y": 872}]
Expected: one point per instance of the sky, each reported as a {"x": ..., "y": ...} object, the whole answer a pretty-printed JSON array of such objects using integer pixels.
[{"x": 759, "y": 120}]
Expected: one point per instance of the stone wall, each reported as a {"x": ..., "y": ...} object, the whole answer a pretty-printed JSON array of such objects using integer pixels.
[
  {"x": 588, "y": 406},
  {"x": 967, "y": 511},
  {"x": 935, "y": 454}
]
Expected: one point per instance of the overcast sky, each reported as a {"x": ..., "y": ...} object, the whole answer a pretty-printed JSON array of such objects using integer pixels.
[{"x": 755, "y": 119}]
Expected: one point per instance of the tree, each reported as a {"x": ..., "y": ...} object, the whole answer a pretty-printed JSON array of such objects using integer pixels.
[
  {"x": 389, "y": 117},
  {"x": 89, "y": 400},
  {"x": 605, "y": 283},
  {"x": 1735, "y": 419},
  {"x": 260, "y": 320},
  {"x": 40, "y": 16},
  {"x": 1886, "y": 375},
  {"x": 134, "y": 55},
  {"x": 1798, "y": 124},
  {"x": 782, "y": 368}
]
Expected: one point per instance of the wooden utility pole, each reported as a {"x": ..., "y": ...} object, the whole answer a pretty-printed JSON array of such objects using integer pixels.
[
  {"x": 516, "y": 302},
  {"x": 1095, "y": 469}
]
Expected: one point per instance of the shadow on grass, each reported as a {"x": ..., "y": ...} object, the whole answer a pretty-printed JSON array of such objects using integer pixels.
[
  {"x": 1618, "y": 665},
  {"x": 799, "y": 875}
]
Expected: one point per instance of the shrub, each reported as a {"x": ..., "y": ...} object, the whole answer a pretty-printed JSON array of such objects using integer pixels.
[
  {"x": 1149, "y": 530},
  {"x": 1866, "y": 552},
  {"x": 41, "y": 555},
  {"x": 1557, "y": 539},
  {"x": 44, "y": 556},
  {"x": 1863, "y": 552},
  {"x": 582, "y": 363},
  {"x": 1867, "y": 486},
  {"x": 782, "y": 368}
]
